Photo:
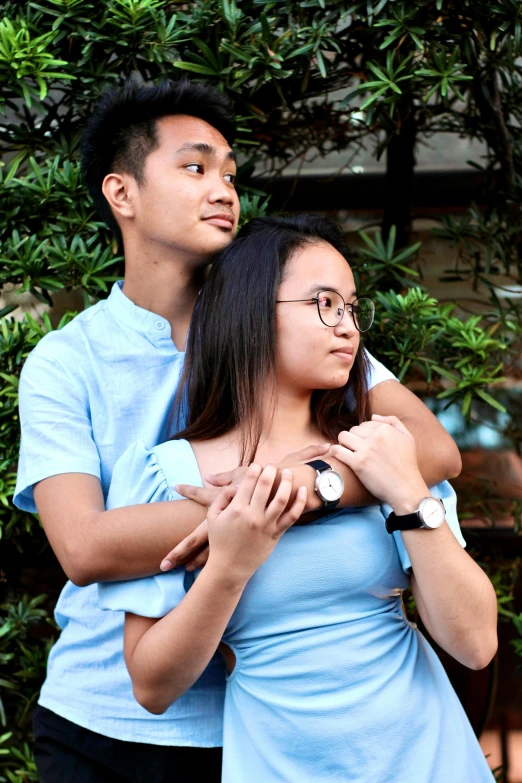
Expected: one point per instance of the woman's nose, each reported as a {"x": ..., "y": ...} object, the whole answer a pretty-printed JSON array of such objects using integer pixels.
[{"x": 347, "y": 324}]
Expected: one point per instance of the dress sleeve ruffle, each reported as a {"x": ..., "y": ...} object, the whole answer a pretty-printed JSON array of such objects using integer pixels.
[
  {"x": 144, "y": 475},
  {"x": 138, "y": 478},
  {"x": 152, "y": 596}
]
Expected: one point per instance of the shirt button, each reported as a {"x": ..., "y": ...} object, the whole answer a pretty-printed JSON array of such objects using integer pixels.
[{"x": 160, "y": 325}]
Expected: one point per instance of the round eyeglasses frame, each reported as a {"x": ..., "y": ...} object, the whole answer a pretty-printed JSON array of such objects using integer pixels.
[{"x": 349, "y": 306}]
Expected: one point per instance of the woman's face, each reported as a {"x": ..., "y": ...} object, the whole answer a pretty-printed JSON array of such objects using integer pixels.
[{"x": 310, "y": 355}]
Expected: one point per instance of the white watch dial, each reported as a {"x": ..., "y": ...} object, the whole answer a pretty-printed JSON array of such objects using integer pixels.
[
  {"x": 330, "y": 485},
  {"x": 432, "y": 512}
]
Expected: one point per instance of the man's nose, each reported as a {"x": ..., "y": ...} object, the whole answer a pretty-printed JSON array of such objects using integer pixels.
[{"x": 222, "y": 193}]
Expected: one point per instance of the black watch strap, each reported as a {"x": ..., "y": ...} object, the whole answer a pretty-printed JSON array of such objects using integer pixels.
[
  {"x": 403, "y": 522},
  {"x": 320, "y": 465}
]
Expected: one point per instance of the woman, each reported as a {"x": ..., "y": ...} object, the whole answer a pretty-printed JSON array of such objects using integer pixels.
[{"x": 328, "y": 680}]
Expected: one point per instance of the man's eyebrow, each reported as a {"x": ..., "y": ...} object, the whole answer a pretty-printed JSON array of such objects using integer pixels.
[{"x": 204, "y": 149}]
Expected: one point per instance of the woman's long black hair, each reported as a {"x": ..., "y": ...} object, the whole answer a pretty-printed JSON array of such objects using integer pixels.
[{"x": 231, "y": 344}]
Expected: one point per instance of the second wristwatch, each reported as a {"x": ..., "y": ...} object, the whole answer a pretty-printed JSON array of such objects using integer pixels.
[{"x": 329, "y": 484}]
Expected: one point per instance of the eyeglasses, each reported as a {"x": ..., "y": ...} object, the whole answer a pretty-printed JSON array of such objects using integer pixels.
[{"x": 331, "y": 308}]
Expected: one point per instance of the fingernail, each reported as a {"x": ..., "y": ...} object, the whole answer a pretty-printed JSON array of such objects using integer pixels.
[
  {"x": 165, "y": 565},
  {"x": 189, "y": 568},
  {"x": 287, "y": 472},
  {"x": 208, "y": 476},
  {"x": 176, "y": 488},
  {"x": 326, "y": 445}
]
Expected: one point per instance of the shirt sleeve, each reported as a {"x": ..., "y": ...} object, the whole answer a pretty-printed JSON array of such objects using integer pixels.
[
  {"x": 378, "y": 372},
  {"x": 446, "y": 493},
  {"x": 56, "y": 426},
  {"x": 143, "y": 475}
]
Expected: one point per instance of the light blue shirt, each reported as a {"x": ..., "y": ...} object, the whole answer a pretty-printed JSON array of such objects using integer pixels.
[
  {"x": 87, "y": 392},
  {"x": 331, "y": 681}
]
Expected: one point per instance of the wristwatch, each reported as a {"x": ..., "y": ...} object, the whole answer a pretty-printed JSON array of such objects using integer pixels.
[
  {"x": 430, "y": 515},
  {"x": 329, "y": 484}
]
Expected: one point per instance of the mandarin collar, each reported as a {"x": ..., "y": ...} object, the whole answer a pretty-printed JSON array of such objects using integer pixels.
[{"x": 135, "y": 317}]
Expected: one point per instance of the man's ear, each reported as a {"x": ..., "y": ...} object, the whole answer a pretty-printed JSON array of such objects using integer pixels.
[{"x": 118, "y": 190}]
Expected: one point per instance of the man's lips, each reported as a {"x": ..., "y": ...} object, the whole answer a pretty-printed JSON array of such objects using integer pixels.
[{"x": 222, "y": 219}]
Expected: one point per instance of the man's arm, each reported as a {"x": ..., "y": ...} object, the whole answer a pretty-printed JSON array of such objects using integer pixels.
[
  {"x": 437, "y": 454},
  {"x": 59, "y": 476},
  {"x": 95, "y": 545}
]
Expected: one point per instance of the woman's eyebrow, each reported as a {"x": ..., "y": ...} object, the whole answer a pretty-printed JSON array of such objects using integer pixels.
[
  {"x": 204, "y": 149},
  {"x": 316, "y": 288}
]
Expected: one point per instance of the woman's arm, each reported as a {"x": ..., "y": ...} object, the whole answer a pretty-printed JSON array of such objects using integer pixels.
[
  {"x": 437, "y": 454},
  {"x": 165, "y": 657},
  {"x": 456, "y": 600}
]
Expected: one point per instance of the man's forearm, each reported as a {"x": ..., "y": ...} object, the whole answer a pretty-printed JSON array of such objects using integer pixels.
[
  {"x": 438, "y": 456},
  {"x": 354, "y": 493},
  {"x": 129, "y": 542},
  {"x": 438, "y": 461}
]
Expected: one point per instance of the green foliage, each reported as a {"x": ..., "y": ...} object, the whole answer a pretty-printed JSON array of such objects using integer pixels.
[
  {"x": 25, "y": 639},
  {"x": 328, "y": 76},
  {"x": 383, "y": 265},
  {"x": 25, "y": 58},
  {"x": 422, "y": 339}
]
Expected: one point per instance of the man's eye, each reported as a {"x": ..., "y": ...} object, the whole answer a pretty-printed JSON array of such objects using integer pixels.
[
  {"x": 230, "y": 178},
  {"x": 197, "y": 167}
]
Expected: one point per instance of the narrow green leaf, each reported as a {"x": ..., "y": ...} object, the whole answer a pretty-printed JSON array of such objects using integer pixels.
[
  {"x": 194, "y": 67},
  {"x": 491, "y": 400},
  {"x": 466, "y": 405}
]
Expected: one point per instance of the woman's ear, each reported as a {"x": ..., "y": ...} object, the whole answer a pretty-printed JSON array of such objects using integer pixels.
[{"x": 118, "y": 190}]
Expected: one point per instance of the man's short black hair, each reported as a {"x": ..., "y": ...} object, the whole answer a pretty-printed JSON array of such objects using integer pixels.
[{"x": 121, "y": 132}]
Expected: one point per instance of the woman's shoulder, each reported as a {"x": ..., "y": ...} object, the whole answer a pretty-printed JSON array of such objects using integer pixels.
[{"x": 146, "y": 474}]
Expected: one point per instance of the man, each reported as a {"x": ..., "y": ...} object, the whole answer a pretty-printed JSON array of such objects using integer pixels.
[{"x": 159, "y": 164}]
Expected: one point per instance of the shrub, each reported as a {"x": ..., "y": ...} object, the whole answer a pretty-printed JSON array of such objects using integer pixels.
[{"x": 403, "y": 69}]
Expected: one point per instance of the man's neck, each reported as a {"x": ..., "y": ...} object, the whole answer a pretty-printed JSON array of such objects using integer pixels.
[{"x": 168, "y": 287}]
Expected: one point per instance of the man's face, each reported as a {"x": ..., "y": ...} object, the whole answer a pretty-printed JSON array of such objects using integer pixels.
[{"x": 187, "y": 201}]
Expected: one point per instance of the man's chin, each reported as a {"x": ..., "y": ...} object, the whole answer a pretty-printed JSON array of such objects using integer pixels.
[{"x": 217, "y": 241}]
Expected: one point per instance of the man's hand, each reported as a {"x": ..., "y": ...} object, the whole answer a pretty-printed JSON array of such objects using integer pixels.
[
  {"x": 296, "y": 458},
  {"x": 205, "y": 496},
  {"x": 193, "y": 550}
]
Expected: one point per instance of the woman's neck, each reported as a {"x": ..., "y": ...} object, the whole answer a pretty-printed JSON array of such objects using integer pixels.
[
  {"x": 289, "y": 429},
  {"x": 289, "y": 425}
]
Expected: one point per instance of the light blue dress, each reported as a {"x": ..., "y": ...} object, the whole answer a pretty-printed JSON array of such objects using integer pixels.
[{"x": 332, "y": 683}]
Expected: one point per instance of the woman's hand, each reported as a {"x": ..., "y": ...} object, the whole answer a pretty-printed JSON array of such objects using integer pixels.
[
  {"x": 244, "y": 525},
  {"x": 383, "y": 455}
]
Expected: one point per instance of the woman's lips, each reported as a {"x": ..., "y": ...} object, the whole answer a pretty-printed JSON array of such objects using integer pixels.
[{"x": 345, "y": 356}]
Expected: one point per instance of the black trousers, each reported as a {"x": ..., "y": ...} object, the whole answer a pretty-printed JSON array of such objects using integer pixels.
[{"x": 67, "y": 753}]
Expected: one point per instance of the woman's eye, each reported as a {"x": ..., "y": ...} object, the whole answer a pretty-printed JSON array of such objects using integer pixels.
[
  {"x": 197, "y": 167},
  {"x": 324, "y": 302},
  {"x": 230, "y": 178}
]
